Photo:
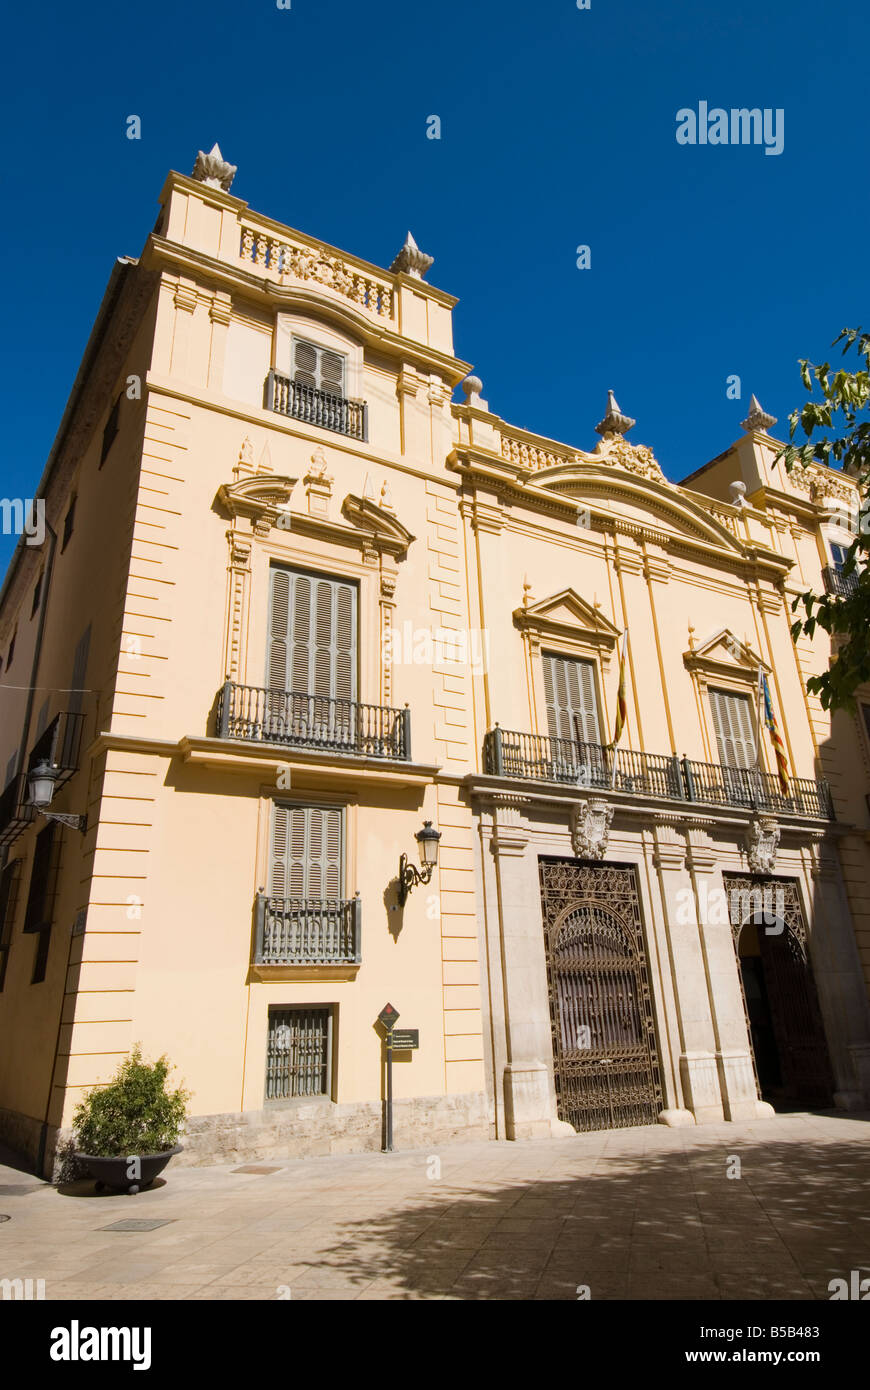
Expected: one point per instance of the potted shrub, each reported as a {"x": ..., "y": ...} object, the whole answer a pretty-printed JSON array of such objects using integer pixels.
[{"x": 127, "y": 1131}]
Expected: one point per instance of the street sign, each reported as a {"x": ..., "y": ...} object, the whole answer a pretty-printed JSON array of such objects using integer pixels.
[
  {"x": 389, "y": 1017},
  {"x": 405, "y": 1039}
]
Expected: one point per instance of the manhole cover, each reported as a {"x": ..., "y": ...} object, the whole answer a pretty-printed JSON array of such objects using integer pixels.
[
  {"x": 132, "y": 1224},
  {"x": 252, "y": 1168}
]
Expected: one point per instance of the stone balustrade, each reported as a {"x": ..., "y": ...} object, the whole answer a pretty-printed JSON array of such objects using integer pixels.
[{"x": 285, "y": 260}]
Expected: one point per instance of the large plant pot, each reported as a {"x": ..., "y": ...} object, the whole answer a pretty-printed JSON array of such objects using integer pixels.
[{"x": 112, "y": 1172}]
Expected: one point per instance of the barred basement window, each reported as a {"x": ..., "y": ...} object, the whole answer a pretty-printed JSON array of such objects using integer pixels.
[{"x": 299, "y": 1053}]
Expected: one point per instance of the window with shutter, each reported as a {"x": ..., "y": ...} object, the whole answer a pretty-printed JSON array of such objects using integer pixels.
[
  {"x": 312, "y": 635},
  {"x": 838, "y": 555},
  {"x": 307, "y": 852},
  {"x": 318, "y": 367},
  {"x": 569, "y": 687},
  {"x": 735, "y": 729}
]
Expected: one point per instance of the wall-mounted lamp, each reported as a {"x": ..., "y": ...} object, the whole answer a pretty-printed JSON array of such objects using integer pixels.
[
  {"x": 409, "y": 874},
  {"x": 41, "y": 782}
]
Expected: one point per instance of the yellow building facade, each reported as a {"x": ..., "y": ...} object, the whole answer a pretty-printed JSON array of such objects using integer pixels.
[{"x": 294, "y": 601}]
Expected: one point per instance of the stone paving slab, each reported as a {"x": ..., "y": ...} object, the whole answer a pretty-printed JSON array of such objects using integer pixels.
[{"x": 647, "y": 1213}]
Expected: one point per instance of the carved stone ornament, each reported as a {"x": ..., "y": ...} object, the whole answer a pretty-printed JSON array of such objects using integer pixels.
[
  {"x": 213, "y": 169},
  {"x": 757, "y": 419},
  {"x": 412, "y": 260},
  {"x": 762, "y": 844},
  {"x": 590, "y": 828},
  {"x": 635, "y": 458}
]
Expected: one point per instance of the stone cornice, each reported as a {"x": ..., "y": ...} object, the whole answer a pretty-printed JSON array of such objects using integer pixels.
[{"x": 161, "y": 253}]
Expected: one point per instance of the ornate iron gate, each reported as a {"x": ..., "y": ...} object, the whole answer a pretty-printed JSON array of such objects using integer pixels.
[
  {"x": 604, "y": 1045},
  {"x": 798, "y": 1030}
]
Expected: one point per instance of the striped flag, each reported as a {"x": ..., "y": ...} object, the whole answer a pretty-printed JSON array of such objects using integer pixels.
[
  {"x": 770, "y": 721},
  {"x": 621, "y": 703}
]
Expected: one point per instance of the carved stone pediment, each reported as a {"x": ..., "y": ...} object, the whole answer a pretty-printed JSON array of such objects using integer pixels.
[
  {"x": 634, "y": 458},
  {"x": 590, "y": 828},
  {"x": 566, "y": 615},
  {"x": 379, "y": 523},
  {"x": 725, "y": 654},
  {"x": 762, "y": 842},
  {"x": 260, "y": 498}
]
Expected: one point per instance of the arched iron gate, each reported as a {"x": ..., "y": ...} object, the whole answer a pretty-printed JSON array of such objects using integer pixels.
[
  {"x": 604, "y": 1046},
  {"x": 772, "y": 906}
]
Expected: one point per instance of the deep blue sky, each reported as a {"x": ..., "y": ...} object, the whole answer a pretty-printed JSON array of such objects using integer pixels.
[{"x": 558, "y": 128}]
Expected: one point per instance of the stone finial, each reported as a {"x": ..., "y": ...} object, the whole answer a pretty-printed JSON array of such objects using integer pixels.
[
  {"x": 368, "y": 489},
  {"x": 386, "y": 497},
  {"x": 412, "y": 260},
  {"x": 738, "y": 493},
  {"x": 527, "y": 591},
  {"x": 213, "y": 169},
  {"x": 472, "y": 386},
  {"x": 614, "y": 421},
  {"x": 757, "y": 419}
]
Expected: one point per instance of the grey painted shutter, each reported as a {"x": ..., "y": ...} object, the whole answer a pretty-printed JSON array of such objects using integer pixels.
[
  {"x": 318, "y": 367},
  {"x": 569, "y": 687},
  {"x": 304, "y": 363},
  {"x": 312, "y": 635},
  {"x": 307, "y": 852},
  {"x": 732, "y": 721}
]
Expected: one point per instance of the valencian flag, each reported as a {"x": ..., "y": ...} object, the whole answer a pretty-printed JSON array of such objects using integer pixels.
[
  {"x": 621, "y": 704},
  {"x": 770, "y": 721}
]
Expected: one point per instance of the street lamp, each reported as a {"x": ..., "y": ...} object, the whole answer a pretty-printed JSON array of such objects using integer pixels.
[
  {"x": 409, "y": 874},
  {"x": 41, "y": 783}
]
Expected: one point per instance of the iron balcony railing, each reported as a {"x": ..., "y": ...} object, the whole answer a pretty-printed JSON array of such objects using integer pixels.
[
  {"x": 308, "y": 931},
  {"x": 59, "y": 745},
  {"x": 836, "y": 582},
  {"x": 293, "y": 719},
  {"x": 314, "y": 407},
  {"x": 535, "y": 757}
]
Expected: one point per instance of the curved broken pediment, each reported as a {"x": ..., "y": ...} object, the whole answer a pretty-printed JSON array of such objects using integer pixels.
[
  {"x": 379, "y": 523},
  {"x": 261, "y": 497}
]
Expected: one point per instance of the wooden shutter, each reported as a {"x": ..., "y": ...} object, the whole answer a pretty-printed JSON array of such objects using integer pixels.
[
  {"x": 569, "y": 687},
  {"x": 304, "y": 363},
  {"x": 732, "y": 721},
  {"x": 307, "y": 852},
  {"x": 43, "y": 880},
  {"x": 318, "y": 367},
  {"x": 332, "y": 373},
  {"x": 312, "y": 635}
]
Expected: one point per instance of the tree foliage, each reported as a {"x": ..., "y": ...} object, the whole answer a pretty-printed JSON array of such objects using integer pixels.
[
  {"x": 837, "y": 433},
  {"x": 134, "y": 1113}
]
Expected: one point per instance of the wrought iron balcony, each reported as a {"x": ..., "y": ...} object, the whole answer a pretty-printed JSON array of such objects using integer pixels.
[
  {"x": 330, "y": 412},
  {"x": 308, "y": 931},
  {"x": 533, "y": 757},
  {"x": 59, "y": 745},
  {"x": 291, "y": 719},
  {"x": 836, "y": 582}
]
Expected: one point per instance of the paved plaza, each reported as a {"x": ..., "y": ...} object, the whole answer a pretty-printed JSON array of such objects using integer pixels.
[{"x": 646, "y": 1213}]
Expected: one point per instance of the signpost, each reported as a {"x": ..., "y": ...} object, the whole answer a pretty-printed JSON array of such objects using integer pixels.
[
  {"x": 388, "y": 1016},
  {"x": 404, "y": 1040}
]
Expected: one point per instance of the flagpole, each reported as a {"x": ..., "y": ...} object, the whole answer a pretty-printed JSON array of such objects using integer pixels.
[
  {"x": 617, "y": 733},
  {"x": 758, "y": 728}
]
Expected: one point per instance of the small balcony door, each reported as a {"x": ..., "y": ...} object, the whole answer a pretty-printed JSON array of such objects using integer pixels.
[
  {"x": 572, "y": 719},
  {"x": 307, "y": 852},
  {"x": 734, "y": 725},
  {"x": 311, "y": 661}
]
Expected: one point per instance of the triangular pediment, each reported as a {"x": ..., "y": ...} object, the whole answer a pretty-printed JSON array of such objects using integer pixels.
[
  {"x": 566, "y": 613},
  {"x": 725, "y": 654}
]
